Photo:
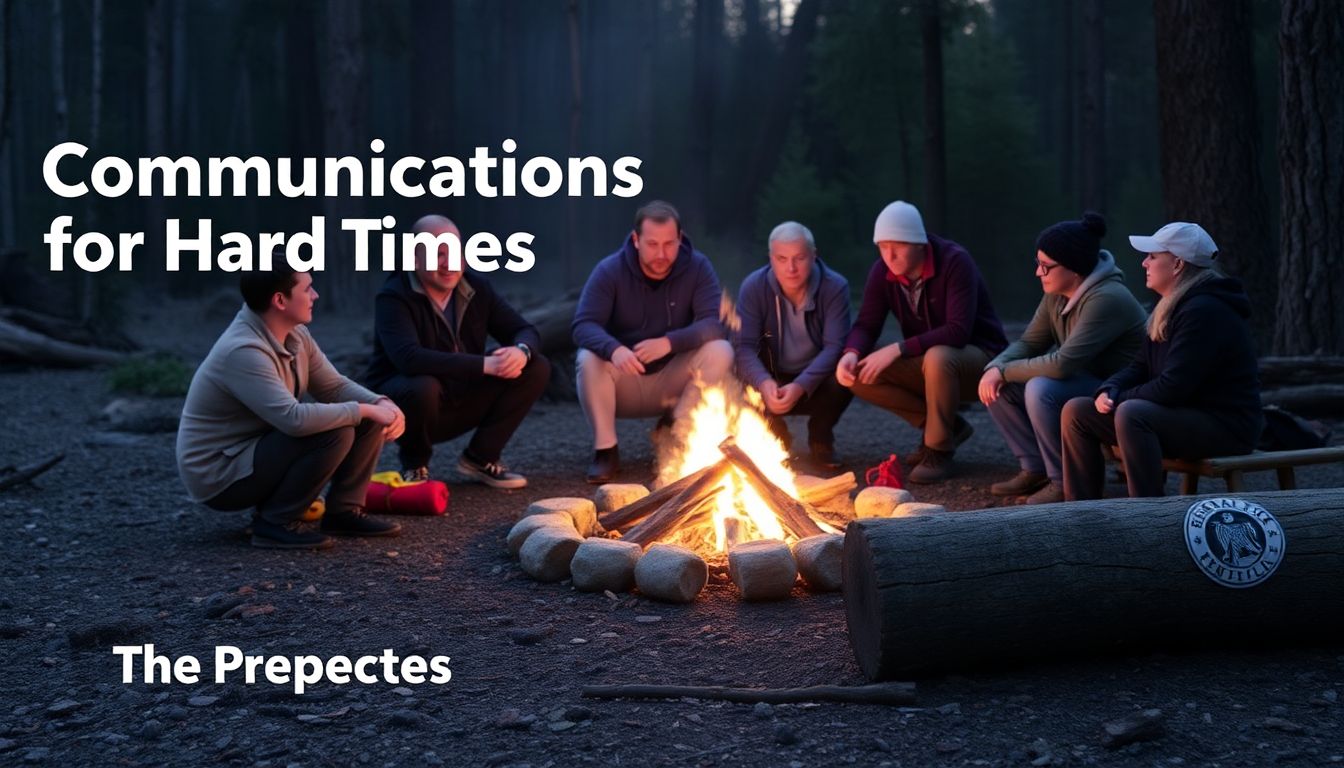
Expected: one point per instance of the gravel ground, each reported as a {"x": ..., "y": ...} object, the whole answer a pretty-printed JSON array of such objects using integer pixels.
[{"x": 106, "y": 549}]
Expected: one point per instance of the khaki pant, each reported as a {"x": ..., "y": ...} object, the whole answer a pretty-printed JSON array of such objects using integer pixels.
[
  {"x": 608, "y": 393},
  {"x": 926, "y": 390}
]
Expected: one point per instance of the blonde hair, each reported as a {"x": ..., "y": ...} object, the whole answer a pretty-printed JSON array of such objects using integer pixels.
[{"x": 1190, "y": 277}]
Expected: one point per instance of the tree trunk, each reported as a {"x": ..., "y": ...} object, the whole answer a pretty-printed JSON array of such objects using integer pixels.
[
  {"x": 774, "y": 124},
  {"x": 568, "y": 254},
  {"x": 698, "y": 189},
  {"x": 945, "y": 592},
  {"x": 1068, "y": 181},
  {"x": 1310, "y": 316},
  {"x": 432, "y": 72},
  {"x": 345, "y": 130},
  {"x": 58, "y": 94},
  {"x": 935, "y": 136},
  {"x": 1211, "y": 138},
  {"x": 156, "y": 121},
  {"x": 7, "y": 234},
  {"x": 88, "y": 285},
  {"x": 180, "y": 78},
  {"x": 1094, "y": 108}
]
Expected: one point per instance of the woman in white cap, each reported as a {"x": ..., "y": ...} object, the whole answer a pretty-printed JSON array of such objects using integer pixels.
[{"x": 1193, "y": 391}]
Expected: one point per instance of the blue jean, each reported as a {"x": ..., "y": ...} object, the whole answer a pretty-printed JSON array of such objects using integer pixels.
[{"x": 1028, "y": 415}]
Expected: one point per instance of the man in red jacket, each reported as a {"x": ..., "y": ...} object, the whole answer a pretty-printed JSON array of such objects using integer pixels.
[{"x": 949, "y": 330}]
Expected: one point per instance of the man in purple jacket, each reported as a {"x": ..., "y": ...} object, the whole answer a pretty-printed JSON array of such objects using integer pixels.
[
  {"x": 949, "y": 329},
  {"x": 647, "y": 326}
]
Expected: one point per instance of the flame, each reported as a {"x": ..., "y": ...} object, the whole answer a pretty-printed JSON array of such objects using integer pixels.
[{"x": 737, "y": 513}]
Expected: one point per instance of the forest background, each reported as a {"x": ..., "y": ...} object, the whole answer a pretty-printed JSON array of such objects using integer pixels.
[{"x": 996, "y": 117}]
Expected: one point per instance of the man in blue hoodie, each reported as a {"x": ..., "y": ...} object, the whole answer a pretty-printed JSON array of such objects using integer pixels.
[
  {"x": 795, "y": 316},
  {"x": 647, "y": 326}
]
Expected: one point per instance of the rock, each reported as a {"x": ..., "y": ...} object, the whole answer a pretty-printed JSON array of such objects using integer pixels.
[
  {"x": 152, "y": 729},
  {"x": 818, "y": 559},
  {"x": 36, "y": 754},
  {"x": 7, "y": 744},
  {"x": 63, "y": 707},
  {"x": 529, "y": 635},
  {"x": 879, "y": 501},
  {"x": 143, "y": 415},
  {"x": 175, "y": 712},
  {"x": 915, "y": 509},
  {"x": 605, "y": 564},
  {"x": 524, "y": 528},
  {"x": 613, "y": 496},
  {"x": 408, "y": 718},
  {"x": 784, "y": 735},
  {"x": 578, "y": 714},
  {"x": 763, "y": 569},
  {"x": 1280, "y": 724},
  {"x": 108, "y": 634},
  {"x": 762, "y": 711},
  {"x": 1138, "y": 726},
  {"x": 672, "y": 573},
  {"x": 514, "y": 720},
  {"x": 220, "y": 603},
  {"x": 582, "y": 511},
  {"x": 546, "y": 554},
  {"x": 202, "y": 701},
  {"x": 950, "y": 709}
]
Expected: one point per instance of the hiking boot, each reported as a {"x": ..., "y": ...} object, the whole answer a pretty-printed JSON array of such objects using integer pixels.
[
  {"x": 1021, "y": 484},
  {"x": 415, "y": 474},
  {"x": 1052, "y": 493},
  {"x": 822, "y": 456},
  {"x": 961, "y": 432},
  {"x": 356, "y": 522},
  {"x": 296, "y": 534},
  {"x": 606, "y": 463},
  {"x": 936, "y": 467},
  {"x": 492, "y": 473}
]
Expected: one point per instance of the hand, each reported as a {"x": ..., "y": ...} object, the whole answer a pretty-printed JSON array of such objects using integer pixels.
[
  {"x": 769, "y": 390},
  {"x": 1104, "y": 403},
  {"x": 512, "y": 361},
  {"x": 379, "y": 413},
  {"x": 877, "y": 362},
  {"x": 844, "y": 370},
  {"x": 990, "y": 384},
  {"x": 649, "y": 350},
  {"x": 627, "y": 361},
  {"x": 786, "y": 397},
  {"x": 398, "y": 426}
]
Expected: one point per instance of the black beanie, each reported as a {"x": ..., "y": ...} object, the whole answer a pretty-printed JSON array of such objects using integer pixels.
[{"x": 1074, "y": 244}]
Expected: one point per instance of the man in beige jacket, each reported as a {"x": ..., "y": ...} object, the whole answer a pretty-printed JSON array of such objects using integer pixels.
[{"x": 247, "y": 439}]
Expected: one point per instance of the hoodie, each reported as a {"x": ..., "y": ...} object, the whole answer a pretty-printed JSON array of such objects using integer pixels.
[
  {"x": 619, "y": 306},
  {"x": 1207, "y": 362},
  {"x": 1097, "y": 331}
]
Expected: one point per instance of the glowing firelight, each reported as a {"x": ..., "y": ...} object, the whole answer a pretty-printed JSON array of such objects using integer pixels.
[{"x": 737, "y": 512}]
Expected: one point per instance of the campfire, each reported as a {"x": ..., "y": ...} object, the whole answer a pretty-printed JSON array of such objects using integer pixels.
[{"x": 723, "y": 492}]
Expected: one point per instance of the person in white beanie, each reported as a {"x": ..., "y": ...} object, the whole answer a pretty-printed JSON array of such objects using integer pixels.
[{"x": 949, "y": 328}]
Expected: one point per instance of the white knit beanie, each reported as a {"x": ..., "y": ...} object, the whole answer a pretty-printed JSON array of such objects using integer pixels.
[{"x": 900, "y": 221}]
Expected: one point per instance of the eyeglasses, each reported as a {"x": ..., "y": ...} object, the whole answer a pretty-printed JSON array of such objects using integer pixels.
[{"x": 1045, "y": 268}]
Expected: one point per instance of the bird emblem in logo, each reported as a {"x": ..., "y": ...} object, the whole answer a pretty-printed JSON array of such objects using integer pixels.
[{"x": 1234, "y": 542}]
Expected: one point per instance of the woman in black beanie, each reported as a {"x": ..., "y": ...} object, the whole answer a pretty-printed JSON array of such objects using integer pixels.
[{"x": 1194, "y": 390}]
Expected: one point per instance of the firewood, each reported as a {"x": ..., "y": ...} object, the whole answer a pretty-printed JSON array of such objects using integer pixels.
[
  {"x": 12, "y": 476},
  {"x": 678, "y": 508},
  {"x": 818, "y": 490},
  {"x": 637, "y": 510},
  {"x": 22, "y": 344},
  {"x": 795, "y": 515},
  {"x": 892, "y": 694}
]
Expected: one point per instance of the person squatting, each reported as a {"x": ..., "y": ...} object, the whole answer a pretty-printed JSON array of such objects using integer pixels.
[{"x": 269, "y": 424}]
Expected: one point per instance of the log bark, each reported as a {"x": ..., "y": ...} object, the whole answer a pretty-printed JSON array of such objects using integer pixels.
[
  {"x": 1308, "y": 399},
  {"x": 678, "y": 508},
  {"x": 19, "y": 343},
  {"x": 638, "y": 510},
  {"x": 929, "y": 595},
  {"x": 1278, "y": 372},
  {"x": 794, "y": 514},
  {"x": 828, "y": 489},
  {"x": 894, "y": 694}
]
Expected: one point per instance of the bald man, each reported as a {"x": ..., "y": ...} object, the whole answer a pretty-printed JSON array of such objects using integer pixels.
[{"x": 429, "y": 356}]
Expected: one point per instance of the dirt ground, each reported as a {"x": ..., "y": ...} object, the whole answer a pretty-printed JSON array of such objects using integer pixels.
[{"x": 106, "y": 549}]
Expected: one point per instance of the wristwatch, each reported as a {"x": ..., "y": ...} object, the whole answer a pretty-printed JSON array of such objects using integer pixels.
[{"x": 526, "y": 350}]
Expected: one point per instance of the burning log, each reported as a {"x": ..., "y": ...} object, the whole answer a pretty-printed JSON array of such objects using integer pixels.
[
  {"x": 895, "y": 694},
  {"x": 794, "y": 514},
  {"x": 936, "y": 593},
  {"x": 672, "y": 512},
  {"x": 815, "y": 490},
  {"x": 635, "y": 511}
]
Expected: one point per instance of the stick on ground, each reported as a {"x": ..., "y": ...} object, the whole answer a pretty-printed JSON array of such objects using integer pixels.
[
  {"x": 892, "y": 694},
  {"x": 9, "y": 476}
]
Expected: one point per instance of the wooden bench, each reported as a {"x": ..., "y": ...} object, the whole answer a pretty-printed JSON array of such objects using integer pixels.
[{"x": 1232, "y": 468}]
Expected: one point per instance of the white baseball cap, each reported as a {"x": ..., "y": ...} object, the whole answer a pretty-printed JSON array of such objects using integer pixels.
[{"x": 1186, "y": 241}]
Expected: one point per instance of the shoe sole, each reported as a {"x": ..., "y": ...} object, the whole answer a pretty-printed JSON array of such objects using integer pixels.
[
  {"x": 1027, "y": 492},
  {"x": 365, "y": 534},
  {"x": 260, "y": 542},
  {"x": 480, "y": 477}
]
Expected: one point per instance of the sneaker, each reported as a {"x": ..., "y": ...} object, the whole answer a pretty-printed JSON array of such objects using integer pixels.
[
  {"x": 1021, "y": 484},
  {"x": 492, "y": 473},
  {"x": 936, "y": 467},
  {"x": 415, "y": 474},
  {"x": 296, "y": 534},
  {"x": 356, "y": 522},
  {"x": 606, "y": 463},
  {"x": 961, "y": 432},
  {"x": 1052, "y": 493}
]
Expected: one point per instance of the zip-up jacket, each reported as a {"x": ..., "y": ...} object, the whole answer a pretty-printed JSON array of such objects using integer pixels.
[{"x": 759, "y": 342}]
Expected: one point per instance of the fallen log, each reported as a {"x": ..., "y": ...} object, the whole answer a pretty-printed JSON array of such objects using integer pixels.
[
  {"x": 890, "y": 694},
  {"x": 12, "y": 476},
  {"x": 639, "y": 509},
  {"x": 794, "y": 514},
  {"x": 20, "y": 343},
  {"x": 678, "y": 508},
  {"x": 963, "y": 590},
  {"x": 1307, "y": 399},
  {"x": 1278, "y": 372}
]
